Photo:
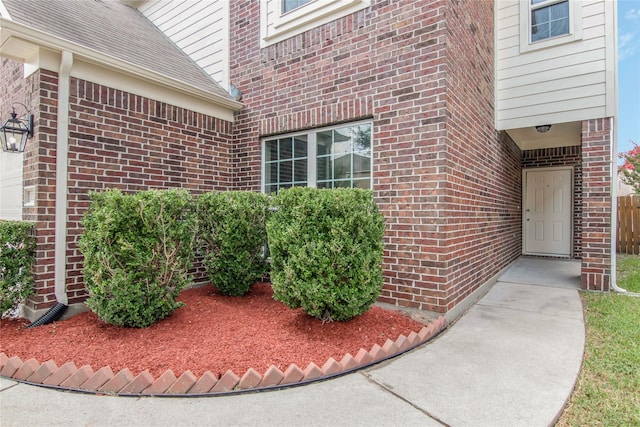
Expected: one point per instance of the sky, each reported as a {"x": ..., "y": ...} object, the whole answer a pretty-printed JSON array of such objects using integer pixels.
[{"x": 628, "y": 74}]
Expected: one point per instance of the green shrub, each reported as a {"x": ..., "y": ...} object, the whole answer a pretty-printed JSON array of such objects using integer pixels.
[
  {"x": 17, "y": 254},
  {"x": 326, "y": 251},
  {"x": 232, "y": 237},
  {"x": 137, "y": 251}
]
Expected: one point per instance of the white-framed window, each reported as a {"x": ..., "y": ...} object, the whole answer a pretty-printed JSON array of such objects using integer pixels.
[
  {"x": 549, "y": 19},
  {"x": 545, "y": 23},
  {"x": 281, "y": 19},
  {"x": 331, "y": 157},
  {"x": 289, "y": 5}
]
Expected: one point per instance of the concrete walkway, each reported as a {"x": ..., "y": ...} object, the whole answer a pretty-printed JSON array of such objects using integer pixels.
[{"x": 511, "y": 360}]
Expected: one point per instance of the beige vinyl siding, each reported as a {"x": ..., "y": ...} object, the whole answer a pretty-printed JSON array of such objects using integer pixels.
[
  {"x": 566, "y": 80},
  {"x": 199, "y": 28},
  {"x": 11, "y": 186}
]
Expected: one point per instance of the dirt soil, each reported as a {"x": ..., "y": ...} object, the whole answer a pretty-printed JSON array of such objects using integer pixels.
[{"x": 211, "y": 332}]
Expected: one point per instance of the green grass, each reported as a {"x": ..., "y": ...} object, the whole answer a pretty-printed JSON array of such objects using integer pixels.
[
  {"x": 628, "y": 271},
  {"x": 608, "y": 389}
]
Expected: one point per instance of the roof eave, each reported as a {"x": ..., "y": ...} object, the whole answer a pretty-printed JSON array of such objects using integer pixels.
[{"x": 11, "y": 29}]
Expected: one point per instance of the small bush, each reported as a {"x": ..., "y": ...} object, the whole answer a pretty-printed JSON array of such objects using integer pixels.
[
  {"x": 137, "y": 249},
  {"x": 232, "y": 237},
  {"x": 17, "y": 254},
  {"x": 326, "y": 251}
]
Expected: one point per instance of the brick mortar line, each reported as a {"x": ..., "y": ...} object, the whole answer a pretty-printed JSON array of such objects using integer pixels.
[{"x": 104, "y": 381}]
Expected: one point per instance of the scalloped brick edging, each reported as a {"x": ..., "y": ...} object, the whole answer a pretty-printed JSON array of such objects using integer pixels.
[{"x": 104, "y": 381}]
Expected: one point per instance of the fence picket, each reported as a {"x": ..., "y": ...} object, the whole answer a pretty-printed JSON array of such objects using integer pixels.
[{"x": 628, "y": 241}]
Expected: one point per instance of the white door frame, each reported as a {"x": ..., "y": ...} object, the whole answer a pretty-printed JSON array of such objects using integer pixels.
[{"x": 571, "y": 208}]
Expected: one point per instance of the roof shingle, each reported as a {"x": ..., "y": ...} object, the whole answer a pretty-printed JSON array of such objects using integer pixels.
[{"x": 116, "y": 30}]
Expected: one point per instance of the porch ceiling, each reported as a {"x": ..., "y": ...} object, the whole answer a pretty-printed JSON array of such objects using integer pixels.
[{"x": 560, "y": 135}]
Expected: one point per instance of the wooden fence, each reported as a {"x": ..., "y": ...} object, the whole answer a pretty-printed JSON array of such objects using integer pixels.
[{"x": 629, "y": 225}]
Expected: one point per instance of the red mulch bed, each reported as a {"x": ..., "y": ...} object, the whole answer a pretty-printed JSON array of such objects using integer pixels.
[{"x": 210, "y": 333}]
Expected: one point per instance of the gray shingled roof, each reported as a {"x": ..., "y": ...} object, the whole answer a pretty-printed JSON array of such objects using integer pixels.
[{"x": 116, "y": 30}]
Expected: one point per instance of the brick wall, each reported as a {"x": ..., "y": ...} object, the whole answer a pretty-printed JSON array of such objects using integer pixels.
[
  {"x": 563, "y": 156},
  {"x": 596, "y": 208},
  {"x": 483, "y": 198},
  {"x": 116, "y": 140},
  {"x": 447, "y": 183},
  {"x": 37, "y": 92}
]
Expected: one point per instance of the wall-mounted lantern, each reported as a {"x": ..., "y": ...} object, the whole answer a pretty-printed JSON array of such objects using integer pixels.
[{"x": 15, "y": 131}]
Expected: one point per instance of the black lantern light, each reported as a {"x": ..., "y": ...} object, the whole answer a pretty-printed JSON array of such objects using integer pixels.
[
  {"x": 15, "y": 132},
  {"x": 543, "y": 128}
]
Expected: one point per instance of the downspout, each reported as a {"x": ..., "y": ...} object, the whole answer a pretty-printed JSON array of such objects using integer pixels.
[
  {"x": 62, "y": 158},
  {"x": 613, "y": 138},
  {"x": 614, "y": 205}
]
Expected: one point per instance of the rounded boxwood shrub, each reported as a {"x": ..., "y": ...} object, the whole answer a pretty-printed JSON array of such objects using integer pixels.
[
  {"x": 232, "y": 237},
  {"x": 326, "y": 251},
  {"x": 17, "y": 254},
  {"x": 137, "y": 252}
]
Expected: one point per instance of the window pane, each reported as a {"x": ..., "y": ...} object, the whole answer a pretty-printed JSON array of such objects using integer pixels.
[
  {"x": 559, "y": 19},
  {"x": 271, "y": 173},
  {"x": 342, "y": 167},
  {"x": 550, "y": 21},
  {"x": 300, "y": 170},
  {"x": 286, "y": 148},
  {"x": 271, "y": 150},
  {"x": 300, "y": 146},
  {"x": 288, "y": 5},
  {"x": 362, "y": 183},
  {"x": 362, "y": 139},
  {"x": 286, "y": 172},
  {"x": 341, "y": 141},
  {"x": 361, "y": 166},
  {"x": 324, "y": 140},
  {"x": 342, "y": 184},
  {"x": 324, "y": 171},
  {"x": 324, "y": 185},
  {"x": 271, "y": 189}
]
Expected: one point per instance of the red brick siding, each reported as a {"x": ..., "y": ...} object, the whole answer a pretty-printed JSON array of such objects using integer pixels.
[
  {"x": 38, "y": 92},
  {"x": 596, "y": 207},
  {"x": 116, "y": 140},
  {"x": 389, "y": 63},
  {"x": 484, "y": 180},
  {"x": 563, "y": 156}
]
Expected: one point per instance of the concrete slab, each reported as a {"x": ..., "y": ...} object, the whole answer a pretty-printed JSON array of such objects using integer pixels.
[
  {"x": 544, "y": 272},
  {"x": 507, "y": 362},
  {"x": 535, "y": 299},
  {"x": 511, "y": 360},
  {"x": 5, "y": 384},
  {"x": 346, "y": 401}
]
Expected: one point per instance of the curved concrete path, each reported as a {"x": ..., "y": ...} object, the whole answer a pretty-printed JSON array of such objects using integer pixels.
[{"x": 511, "y": 360}]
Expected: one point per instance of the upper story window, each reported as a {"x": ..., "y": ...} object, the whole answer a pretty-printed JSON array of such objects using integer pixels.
[
  {"x": 332, "y": 157},
  {"x": 549, "y": 18},
  {"x": 546, "y": 23},
  {"x": 282, "y": 19},
  {"x": 288, "y": 5}
]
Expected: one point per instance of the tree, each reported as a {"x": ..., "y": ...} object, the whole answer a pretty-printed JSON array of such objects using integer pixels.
[{"x": 630, "y": 169}]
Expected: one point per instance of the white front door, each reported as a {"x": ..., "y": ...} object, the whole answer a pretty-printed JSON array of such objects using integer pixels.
[{"x": 547, "y": 211}]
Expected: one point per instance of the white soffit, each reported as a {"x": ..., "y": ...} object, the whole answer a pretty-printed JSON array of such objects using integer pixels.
[{"x": 560, "y": 135}]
